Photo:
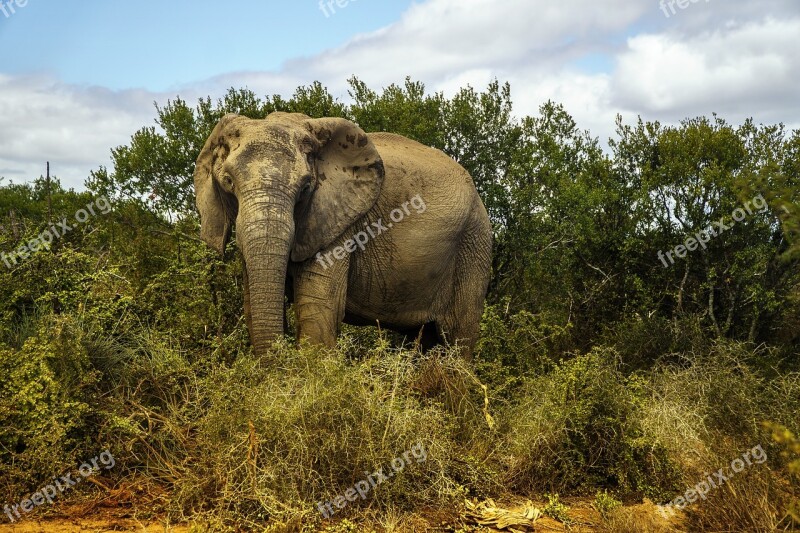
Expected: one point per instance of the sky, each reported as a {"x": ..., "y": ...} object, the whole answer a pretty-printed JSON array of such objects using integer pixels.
[{"x": 79, "y": 78}]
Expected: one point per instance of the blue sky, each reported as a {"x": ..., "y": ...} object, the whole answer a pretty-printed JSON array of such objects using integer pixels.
[
  {"x": 161, "y": 45},
  {"x": 79, "y": 78}
]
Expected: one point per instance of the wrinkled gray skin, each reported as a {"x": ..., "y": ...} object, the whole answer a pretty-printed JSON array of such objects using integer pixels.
[{"x": 296, "y": 186}]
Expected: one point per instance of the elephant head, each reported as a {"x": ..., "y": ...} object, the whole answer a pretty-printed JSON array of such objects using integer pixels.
[{"x": 292, "y": 185}]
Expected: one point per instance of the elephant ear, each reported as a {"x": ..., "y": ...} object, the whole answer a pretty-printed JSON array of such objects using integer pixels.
[
  {"x": 348, "y": 173},
  {"x": 217, "y": 211}
]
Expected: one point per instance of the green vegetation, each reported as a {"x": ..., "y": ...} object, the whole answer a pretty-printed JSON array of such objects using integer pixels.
[
  {"x": 556, "y": 510},
  {"x": 605, "y": 371},
  {"x": 605, "y": 504}
]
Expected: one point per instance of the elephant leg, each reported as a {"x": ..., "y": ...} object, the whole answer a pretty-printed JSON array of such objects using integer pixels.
[
  {"x": 460, "y": 323},
  {"x": 286, "y": 308},
  {"x": 320, "y": 291}
]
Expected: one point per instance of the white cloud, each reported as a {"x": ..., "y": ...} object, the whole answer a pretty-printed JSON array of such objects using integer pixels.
[
  {"x": 442, "y": 39},
  {"x": 72, "y": 127},
  {"x": 597, "y": 58},
  {"x": 738, "y": 71}
]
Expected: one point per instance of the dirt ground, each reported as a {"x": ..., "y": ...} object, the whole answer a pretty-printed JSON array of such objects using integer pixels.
[
  {"x": 96, "y": 522},
  {"x": 584, "y": 518},
  {"x": 88, "y": 525},
  {"x": 118, "y": 511}
]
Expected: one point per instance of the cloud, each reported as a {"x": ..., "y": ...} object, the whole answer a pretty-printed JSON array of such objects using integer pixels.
[
  {"x": 73, "y": 127},
  {"x": 442, "y": 39},
  {"x": 729, "y": 57},
  {"x": 597, "y": 58},
  {"x": 738, "y": 71}
]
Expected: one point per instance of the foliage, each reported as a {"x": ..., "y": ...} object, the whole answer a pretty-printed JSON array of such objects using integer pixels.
[
  {"x": 605, "y": 503},
  {"x": 690, "y": 178},
  {"x": 261, "y": 440},
  {"x": 707, "y": 411},
  {"x": 603, "y": 367},
  {"x": 580, "y": 427},
  {"x": 48, "y": 413},
  {"x": 405, "y": 110},
  {"x": 556, "y": 510},
  {"x": 511, "y": 347},
  {"x": 791, "y": 444},
  {"x": 578, "y": 232}
]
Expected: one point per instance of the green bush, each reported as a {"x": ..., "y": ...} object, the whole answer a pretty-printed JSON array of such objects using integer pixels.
[
  {"x": 48, "y": 406},
  {"x": 66, "y": 284},
  {"x": 791, "y": 454},
  {"x": 643, "y": 341},
  {"x": 605, "y": 504},
  {"x": 235, "y": 440},
  {"x": 512, "y": 346},
  {"x": 579, "y": 427},
  {"x": 556, "y": 510},
  {"x": 271, "y": 439}
]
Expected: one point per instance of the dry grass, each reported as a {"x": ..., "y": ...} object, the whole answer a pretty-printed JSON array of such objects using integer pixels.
[
  {"x": 643, "y": 518},
  {"x": 267, "y": 440},
  {"x": 240, "y": 443},
  {"x": 749, "y": 501}
]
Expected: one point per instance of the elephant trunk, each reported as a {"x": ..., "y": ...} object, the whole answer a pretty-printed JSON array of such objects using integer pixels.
[{"x": 265, "y": 229}]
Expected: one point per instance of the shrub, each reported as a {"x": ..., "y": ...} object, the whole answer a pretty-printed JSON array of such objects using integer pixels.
[
  {"x": 262, "y": 440},
  {"x": 709, "y": 408},
  {"x": 578, "y": 427},
  {"x": 511, "y": 347},
  {"x": 47, "y": 406},
  {"x": 556, "y": 510},
  {"x": 750, "y": 500},
  {"x": 642, "y": 341},
  {"x": 791, "y": 453},
  {"x": 716, "y": 401},
  {"x": 605, "y": 503}
]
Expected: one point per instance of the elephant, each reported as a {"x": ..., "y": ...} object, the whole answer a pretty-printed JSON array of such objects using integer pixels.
[{"x": 352, "y": 227}]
